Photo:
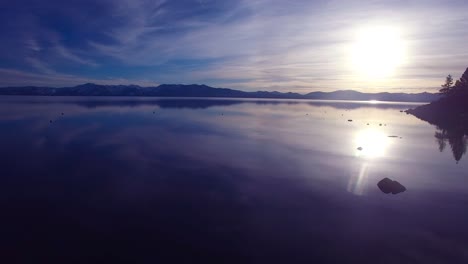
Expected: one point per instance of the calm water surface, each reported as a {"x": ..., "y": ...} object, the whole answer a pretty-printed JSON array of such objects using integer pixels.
[{"x": 147, "y": 180}]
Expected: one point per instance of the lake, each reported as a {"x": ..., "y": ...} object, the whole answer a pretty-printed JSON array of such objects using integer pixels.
[{"x": 151, "y": 180}]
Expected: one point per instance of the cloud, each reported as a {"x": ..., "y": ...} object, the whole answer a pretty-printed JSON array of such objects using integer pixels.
[
  {"x": 67, "y": 54},
  {"x": 257, "y": 44},
  {"x": 10, "y": 77}
]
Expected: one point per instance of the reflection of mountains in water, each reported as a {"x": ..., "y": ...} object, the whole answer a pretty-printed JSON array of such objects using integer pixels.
[{"x": 202, "y": 103}]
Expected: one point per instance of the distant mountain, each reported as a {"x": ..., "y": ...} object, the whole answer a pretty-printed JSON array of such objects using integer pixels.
[{"x": 195, "y": 90}]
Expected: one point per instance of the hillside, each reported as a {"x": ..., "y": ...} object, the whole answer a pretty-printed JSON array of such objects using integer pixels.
[
  {"x": 194, "y": 90},
  {"x": 449, "y": 112}
]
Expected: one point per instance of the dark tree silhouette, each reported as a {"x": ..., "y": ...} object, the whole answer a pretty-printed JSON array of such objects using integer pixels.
[
  {"x": 447, "y": 86},
  {"x": 464, "y": 79},
  {"x": 461, "y": 86},
  {"x": 450, "y": 115}
]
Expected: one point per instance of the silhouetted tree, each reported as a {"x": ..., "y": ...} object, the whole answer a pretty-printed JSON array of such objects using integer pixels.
[
  {"x": 447, "y": 86},
  {"x": 460, "y": 87},
  {"x": 464, "y": 79}
]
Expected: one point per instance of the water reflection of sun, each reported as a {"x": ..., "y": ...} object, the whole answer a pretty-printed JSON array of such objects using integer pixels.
[{"x": 371, "y": 143}]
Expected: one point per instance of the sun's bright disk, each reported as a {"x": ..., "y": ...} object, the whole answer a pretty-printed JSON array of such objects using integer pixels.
[{"x": 378, "y": 51}]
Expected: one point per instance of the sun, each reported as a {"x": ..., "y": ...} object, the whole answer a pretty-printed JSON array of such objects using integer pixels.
[{"x": 378, "y": 51}]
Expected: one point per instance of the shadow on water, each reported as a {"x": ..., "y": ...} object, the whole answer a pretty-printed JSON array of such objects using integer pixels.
[
  {"x": 451, "y": 130},
  {"x": 455, "y": 136}
]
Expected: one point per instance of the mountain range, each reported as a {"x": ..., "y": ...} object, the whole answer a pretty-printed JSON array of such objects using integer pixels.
[{"x": 195, "y": 90}]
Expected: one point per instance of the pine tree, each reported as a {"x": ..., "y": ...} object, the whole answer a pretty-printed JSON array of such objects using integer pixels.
[{"x": 447, "y": 86}]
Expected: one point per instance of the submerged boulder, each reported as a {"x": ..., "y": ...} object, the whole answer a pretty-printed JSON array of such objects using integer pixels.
[{"x": 388, "y": 186}]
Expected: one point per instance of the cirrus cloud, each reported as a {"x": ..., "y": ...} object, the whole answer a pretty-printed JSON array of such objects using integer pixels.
[{"x": 252, "y": 45}]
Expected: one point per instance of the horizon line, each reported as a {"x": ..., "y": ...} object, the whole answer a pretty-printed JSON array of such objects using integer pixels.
[{"x": 196, "y": 84}]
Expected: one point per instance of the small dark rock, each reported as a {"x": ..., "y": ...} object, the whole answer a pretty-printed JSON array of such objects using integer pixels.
[
  {"x": 350, "y": 120},
  {"x": 388, "y": 186},
  {"x": 360, "y": 148}
]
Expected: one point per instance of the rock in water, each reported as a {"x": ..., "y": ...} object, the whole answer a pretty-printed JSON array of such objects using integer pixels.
[{"x": 388, "y": 186}]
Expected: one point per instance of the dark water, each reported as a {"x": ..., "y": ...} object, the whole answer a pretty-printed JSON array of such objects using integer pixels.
[{"x": 226, "y": 181}]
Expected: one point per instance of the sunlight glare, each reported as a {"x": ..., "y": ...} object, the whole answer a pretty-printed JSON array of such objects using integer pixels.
[
  {"x": 372, "y": 143},
  {"x": 357, "y": 184},
  {"x": 377, "y": 51}
]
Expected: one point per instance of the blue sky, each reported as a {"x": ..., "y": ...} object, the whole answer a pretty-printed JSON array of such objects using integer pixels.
[{"x": 299, "y": 46}]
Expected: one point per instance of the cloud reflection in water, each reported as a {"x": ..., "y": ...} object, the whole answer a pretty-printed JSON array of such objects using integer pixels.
[{"x": 263, "y": 181}]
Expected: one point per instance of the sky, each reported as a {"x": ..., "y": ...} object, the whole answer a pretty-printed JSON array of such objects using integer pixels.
[{"x": 299, "y": 46}]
